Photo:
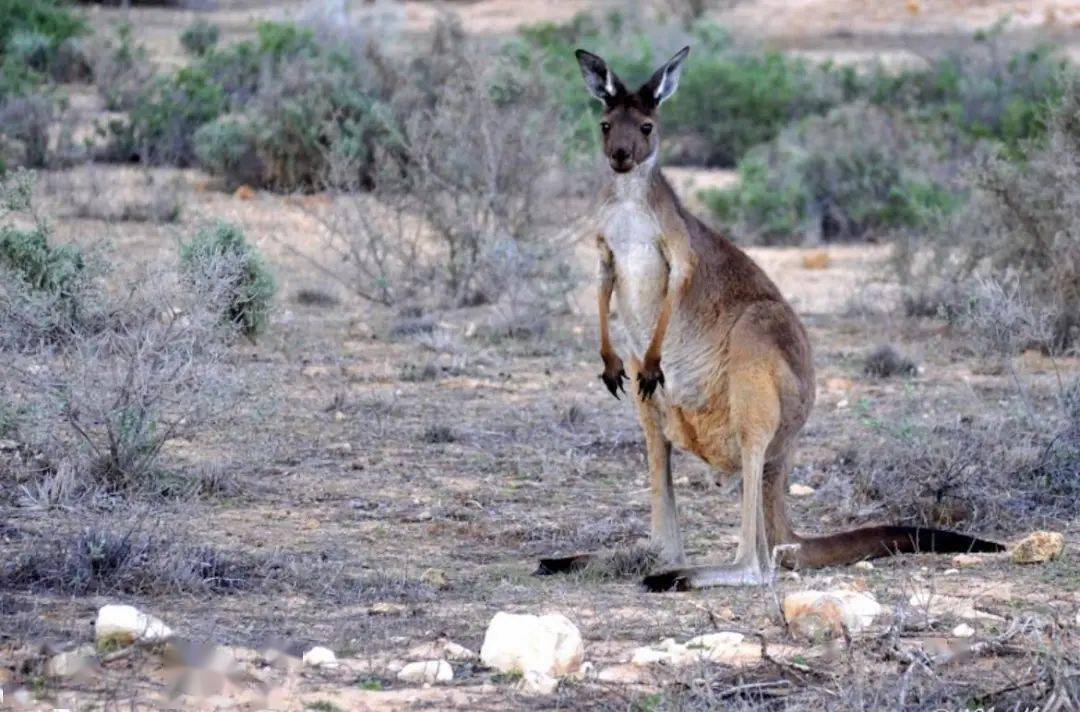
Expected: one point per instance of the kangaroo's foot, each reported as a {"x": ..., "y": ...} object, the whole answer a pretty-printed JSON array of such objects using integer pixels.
[
  {"x": 691, "y": 577},
  {"x": 564, "y": 564},
  {"x": 628, "y": 562}
]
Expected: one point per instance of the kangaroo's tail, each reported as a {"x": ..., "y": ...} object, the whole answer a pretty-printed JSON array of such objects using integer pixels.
[{"x": 874, "y": 542}]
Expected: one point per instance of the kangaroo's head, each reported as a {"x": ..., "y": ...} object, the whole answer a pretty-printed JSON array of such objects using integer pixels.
[{"x": 630, "y": 123}]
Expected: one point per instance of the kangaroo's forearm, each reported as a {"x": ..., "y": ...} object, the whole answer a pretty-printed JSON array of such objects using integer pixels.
[{"x": 607, "y": 285}]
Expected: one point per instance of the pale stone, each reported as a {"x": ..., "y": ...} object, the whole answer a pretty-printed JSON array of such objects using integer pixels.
[
  {"x": 427, "y": 672},
  {"x": 70, "y": 663},
  {"x": 725, "y": 647},
  {"x": 457, "y": 653},
  {"x": 1038, "y": 547},
  {"x": 800, "y": 490},
  {"x": 950, "y": 572},
  {"x": 962, "y": 561},
  {"x": 864, "y": 566},
  {"x": 124, "y": 625},
  {"x": 622, "y": 674},
  {"x": 549, "y": 644},
  {"x": 534, "y": 682},
  {"x": 816, "y": 614},
  {"x": 938, "y": 605},
  {"x": 320, "y": 657},
  {"x": 384, "y": 608},
  {"x": 963, "y": 631}
]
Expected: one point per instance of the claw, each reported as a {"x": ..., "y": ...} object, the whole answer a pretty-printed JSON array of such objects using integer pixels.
[
  {"x": 647, "y": 384},
  {"x": 614, "y": 383}
]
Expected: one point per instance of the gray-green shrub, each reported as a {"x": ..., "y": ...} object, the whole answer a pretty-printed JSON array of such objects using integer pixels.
[
  {"x": 221, "y": 253},
  {"x": 854, "y": 173}
]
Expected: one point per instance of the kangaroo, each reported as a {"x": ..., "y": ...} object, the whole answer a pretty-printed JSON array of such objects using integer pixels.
[{"x": 720, "y": 362}]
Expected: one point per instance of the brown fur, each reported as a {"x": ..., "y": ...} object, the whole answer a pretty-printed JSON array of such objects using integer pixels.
[{"x": 756, "y": 394}]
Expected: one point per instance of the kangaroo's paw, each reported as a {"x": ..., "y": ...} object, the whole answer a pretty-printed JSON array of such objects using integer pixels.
[
  {"x": 613, "y": 379},
  {"x": 648, "y": 380}
]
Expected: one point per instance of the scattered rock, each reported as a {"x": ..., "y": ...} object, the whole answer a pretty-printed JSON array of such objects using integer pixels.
[
  {"x": 6, "y": 445},
  {"x": 436, "y": 578},
  {"x": 826, "y": 614},
  {"x": 119, "y": 625},
  {"x": 549, "y": 644},
  {"x": 838, "y": 384},
  {"x": 818, "y": 259},
  {"x": 622, "y": 674},
  {"x": 963, "y": 631},
  {"x": 939, "y": 605},
  {"x": 950, "y": 572},
  {"x": 864, "y": 566},
  {"x": 341, "y": 448},
  {"x": 320, "y": 657},
  {"x": 384, "y": 608},
  {"x": 72, "y": 662},
  {"x": 1038, "y": 547},
  {"x": 963, "y": 561},
  {"x": 427, "y": 672},
  {"x": 724, "y": 647},
  {"x": 244, "y": 192},
  {"x": 800, "y": 490},
  {"x": 535, "y": 682},
  {"x": 458, "y": 653}
]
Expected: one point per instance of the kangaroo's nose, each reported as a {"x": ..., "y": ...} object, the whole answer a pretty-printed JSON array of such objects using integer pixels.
[{"x": 620, "y": 154}]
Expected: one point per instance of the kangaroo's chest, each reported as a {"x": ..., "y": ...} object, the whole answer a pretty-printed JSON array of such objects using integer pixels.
[{"x": 632, "y": 232}]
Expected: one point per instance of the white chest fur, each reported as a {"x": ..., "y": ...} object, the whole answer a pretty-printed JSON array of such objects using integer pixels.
[{"x": 632, "y": 232}]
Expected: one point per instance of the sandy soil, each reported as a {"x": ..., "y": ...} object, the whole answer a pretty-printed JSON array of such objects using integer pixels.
[{"x": 389, "y": 539}]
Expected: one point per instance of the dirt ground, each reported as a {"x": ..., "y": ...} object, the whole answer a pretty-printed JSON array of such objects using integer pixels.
[{"x": 407, "y": 482}]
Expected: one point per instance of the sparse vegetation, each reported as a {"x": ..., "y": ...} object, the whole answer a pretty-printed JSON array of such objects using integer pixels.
[
  {"x": 219, "y": 253},
  {"x": 1015, "y": 248},
  {"x": 853, "y": 174}
]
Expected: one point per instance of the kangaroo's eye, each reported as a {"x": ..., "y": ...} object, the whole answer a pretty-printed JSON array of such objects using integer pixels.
[
  {"x": 605, "y": 126},
  {"x": 646, "y": 129}
]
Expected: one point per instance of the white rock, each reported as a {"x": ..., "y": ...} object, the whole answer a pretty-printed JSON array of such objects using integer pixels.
[
  {"x": 535, "y": 682},
  {"x": 934, "y": 604},
  {"x": 725, "y": 647},
  {"x": 320, "y": 657},
  {"x": 70, "y": 663},
  {"x": 864, "y": 566},
  {"x": 549, "y": 644},
  {"x": 963, "y": 631},
  {"x": 814, "y": 614},
  {"x": 457, "y": 653},
  {"x": 950, "y": 572},
  {"x": 427, "y": 672},
  {"x": 800, "y": 490},
  {"x": 622, "y": 674},
  {"x": 124, "y": 625}
]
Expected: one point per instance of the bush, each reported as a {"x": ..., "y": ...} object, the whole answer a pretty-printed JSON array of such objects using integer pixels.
[
  {"x": 31, "y": 32},
  {"x": 460, "y": 215},
  {"x": 268, "y": 112},
  {"x": 43, "y": 285},
  {"x": 1014, "y": 250},
  {"x": 853, "y": 174},
  {"x": 200, "y": 37},
  {"x": 220, "y": 253},
  {"x": 984, "y": 89},
  {"x": 103, "y": 384},
  {"x": 987, "y": 470}
]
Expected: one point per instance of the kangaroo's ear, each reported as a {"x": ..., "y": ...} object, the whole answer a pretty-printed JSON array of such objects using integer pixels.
[
  {"x": 665, "y": 80},
  {"x": 603, "y": 83}
]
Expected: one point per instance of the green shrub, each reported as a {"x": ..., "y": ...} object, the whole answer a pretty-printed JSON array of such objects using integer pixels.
[
  {"x": 222, "y": 247},
  {"x": 1011, "y": 256},
  {"x": 982, "y": 89},
  {"x": 35, "y": 43},
  {"x": 849, "y": 175},
  {"x": 268, "y": 112},
  {"x": 200, "y": 37}
]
